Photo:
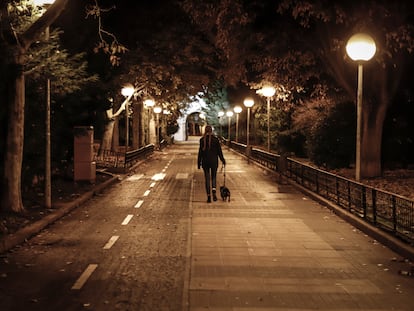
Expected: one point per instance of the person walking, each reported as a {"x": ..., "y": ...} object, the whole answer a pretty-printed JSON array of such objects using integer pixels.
[{"x": 208, "y": 155}]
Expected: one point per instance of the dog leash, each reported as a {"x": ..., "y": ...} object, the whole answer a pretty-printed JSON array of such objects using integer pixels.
[{"x": 223, "y": 168}]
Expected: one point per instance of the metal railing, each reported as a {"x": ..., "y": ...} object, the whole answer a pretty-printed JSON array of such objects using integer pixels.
[
  {"x": 124, "y": 160},
  {"x": 388, "y": 211},
  {"x": 110, "y": 159},
  {"x": 133, "y": 156}
]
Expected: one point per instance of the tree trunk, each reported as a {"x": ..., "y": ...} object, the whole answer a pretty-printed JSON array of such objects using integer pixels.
[
  {"x": 107, "y": 137},
  {"x": 11, "y": 198},
  {"x": 135, "y": 126},
  {"x": 11, "y": 193},
  {"x": 373, "y": 117},
  {"x": 115, "y": 136}
]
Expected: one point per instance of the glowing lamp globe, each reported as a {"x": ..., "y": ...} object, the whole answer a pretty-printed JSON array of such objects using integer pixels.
[
  {"x": 43, "y": 2},
  {"x": 157, "y": 109},
  {"x": 267, "y": 91},
  {"x": 361, "y": 47},
  {"x": 127, "y": 90},
  {"x": 248, "y": 102},
  {"x": 149, "y": 103},
  {"x": 237, "y": 109}
]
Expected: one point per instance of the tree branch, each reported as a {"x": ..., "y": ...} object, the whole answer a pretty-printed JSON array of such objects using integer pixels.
[{"x": 36, "y": 29}]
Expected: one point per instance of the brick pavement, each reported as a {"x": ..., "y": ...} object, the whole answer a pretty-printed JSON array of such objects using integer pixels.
[{"x": 273, "y": 248}]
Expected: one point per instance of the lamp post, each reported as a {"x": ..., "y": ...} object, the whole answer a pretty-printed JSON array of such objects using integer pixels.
[
  {"x": 229, "y": 114},
  {"x": 220, "y": 114},
  {"x": 248, "y": 103},
  {"x": 237, "y": 110},
  {"x": 48, "y": 184},
  {"x": 149, "y": 103},
  {"x": 127, "y": 91},
  {"x": 157, "y": 110},
  {"x": 360, "y": 48},
  {"x": 165, "y": 114},
  {"x": 268, "y": 92}
]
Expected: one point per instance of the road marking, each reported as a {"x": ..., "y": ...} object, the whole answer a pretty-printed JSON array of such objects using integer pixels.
[
  {"x": 135, "y": 177},
  {"x": 139, "y": 203},
  {"x": 127, "y": 220},
  {"x": 181, "y": 176},
  {"x": 84, "y": 276},
  {"x": 111, "y": 242},
  {"x": 159, "y": 176},
  {"x": 152, "y": 185},
  {"x": 146, "y": 193}
]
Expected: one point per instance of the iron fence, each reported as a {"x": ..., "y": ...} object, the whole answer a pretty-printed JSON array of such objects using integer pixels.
[{"x": 124, "y": 160}]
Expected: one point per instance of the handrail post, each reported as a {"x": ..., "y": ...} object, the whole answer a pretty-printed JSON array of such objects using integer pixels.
[
  {"x": 394, "y": 213},
  {"x": 364, "y": 201},
  {"x": 374, "y": 206}
]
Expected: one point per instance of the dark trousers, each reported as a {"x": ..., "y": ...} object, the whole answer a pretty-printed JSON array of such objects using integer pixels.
[{"x": 210, "y": 173}]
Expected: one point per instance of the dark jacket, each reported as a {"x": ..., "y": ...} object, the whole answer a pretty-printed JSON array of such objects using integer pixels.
[{"x": 209, "y": 152}]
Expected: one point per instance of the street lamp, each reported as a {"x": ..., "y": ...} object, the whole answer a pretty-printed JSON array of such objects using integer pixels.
[
  {"x": 220, "y": 114},
  {"x": 157, "y": 110},
  {"x": 48, "y": 184},
  {"x": 127, "y": 91},
  {"x": 229, "y": 114},
  {"x": 268, "y": 92},
  {"x": 237, "y": 110},
  {"x": 43, "y": 2},
  {"x": 149, "y": 103},
  {"x": 248, "y": 103},
  {"x": 360, "y": 48}
]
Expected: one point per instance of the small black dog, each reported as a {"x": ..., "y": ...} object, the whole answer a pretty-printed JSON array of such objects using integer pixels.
[{"x": 225, "y": 193}]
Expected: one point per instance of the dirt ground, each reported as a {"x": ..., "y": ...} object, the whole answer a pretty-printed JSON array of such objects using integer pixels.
[
  {"x": 63, "y": 191},
  {"x": 399, "y": 181}
]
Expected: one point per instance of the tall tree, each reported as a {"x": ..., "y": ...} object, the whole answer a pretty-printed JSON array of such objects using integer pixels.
[
  {"x": 390, "y": 24},
  {"x": 301, "y": 44},
  {"x": 13, "y": 48}
]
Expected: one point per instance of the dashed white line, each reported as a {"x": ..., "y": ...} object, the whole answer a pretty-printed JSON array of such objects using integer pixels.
[
  {"x": 146, "y": 193},
  {"x": 84, "y": 276},
  {"x": 139, "y": 203},
  {"x": 152, "y": 185},
  {"x": 135, "y": 177},
  {"x": 127, "y": 220},
  {"x": 159, "y": 176},
  {"x": 111, "y": 242}
]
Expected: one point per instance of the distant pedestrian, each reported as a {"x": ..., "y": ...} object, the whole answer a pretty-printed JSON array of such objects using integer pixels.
[{"x": 208, "y": 155}]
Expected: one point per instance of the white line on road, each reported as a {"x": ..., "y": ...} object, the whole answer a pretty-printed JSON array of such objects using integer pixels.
[
  {"x": 159, "y": 176},
  {"x": 146, "y": 193},
  {"x": 127, "y": 220},
  {"x": 84, "y": 276},
  {"x": 152, "y": 185},
  {"x": 111, "y": 242},
  {"x": 139, "y": 203},
  {"x": 135, "y": 177}
]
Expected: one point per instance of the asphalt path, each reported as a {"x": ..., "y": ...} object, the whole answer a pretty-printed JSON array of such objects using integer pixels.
[{"x": 125, "y": 249}]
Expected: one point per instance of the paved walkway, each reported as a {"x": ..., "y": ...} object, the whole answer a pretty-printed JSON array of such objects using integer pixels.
[{"x": 272, "y": 248}]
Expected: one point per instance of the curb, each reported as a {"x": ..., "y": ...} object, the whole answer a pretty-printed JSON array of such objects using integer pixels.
[{"x": 22, "y": 235}]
